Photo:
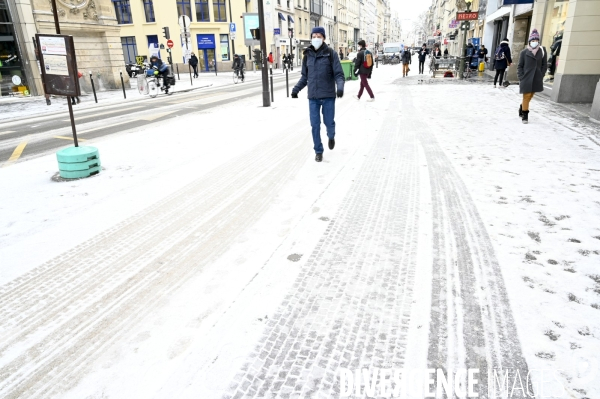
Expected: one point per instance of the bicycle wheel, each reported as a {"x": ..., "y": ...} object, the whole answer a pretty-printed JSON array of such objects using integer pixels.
[
  {"x": 152, "y": 89},
  {"x": 235, "y": 77}
]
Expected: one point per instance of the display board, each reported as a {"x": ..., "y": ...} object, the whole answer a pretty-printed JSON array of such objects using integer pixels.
[{"x": 58, "y": 64}]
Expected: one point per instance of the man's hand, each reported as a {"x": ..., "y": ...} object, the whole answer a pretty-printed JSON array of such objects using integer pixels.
[
  {"x": 294, "y": 95},
  {"x": 340, "y": 93}
]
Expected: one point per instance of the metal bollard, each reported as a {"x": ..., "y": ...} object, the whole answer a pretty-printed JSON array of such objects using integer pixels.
[
  {"x": 123, "y": 85},
  {"x": 93, "y": 87},
  {"x": 376, "y": 62},
  {"x": 177, "y": 69},
  {"x": 190, "y": 70},
  {"x": 287, "y": 83},
  {"x": 272, "y": 94}
]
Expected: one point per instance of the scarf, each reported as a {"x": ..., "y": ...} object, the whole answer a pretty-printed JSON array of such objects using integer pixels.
[{"x": 533, "y": 50}]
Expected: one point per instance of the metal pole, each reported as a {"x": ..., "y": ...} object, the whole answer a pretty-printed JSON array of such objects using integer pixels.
[
  {"x": 190, "y": 70},
  {"x": 123, "y": 85},
  {"x": 461, "y": 71},
  {"x": 272, "y": 94},
  {"x": 287, "y": 83},
  {"x": 215, "y": 62},
  {"x": 93, "y": 87},
  {"x": 55, "y": 13},
  {"x": 230, "y": 21},
  {"x": 263, "y": 49},
  {"x": 177, "y": 69},
  {"x": 72, "y": 122}
]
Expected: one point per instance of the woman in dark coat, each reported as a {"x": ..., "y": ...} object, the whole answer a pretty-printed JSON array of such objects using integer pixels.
[
  {"x": 502, "y": 60},
  {"x": 533, "y": 64}
]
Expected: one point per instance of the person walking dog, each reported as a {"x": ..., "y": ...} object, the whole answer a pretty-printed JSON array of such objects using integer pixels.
[
  {"x": 531, "y": 69},
  {"x": 322, "y": 72},
  {"x": 363, "y": 67}
]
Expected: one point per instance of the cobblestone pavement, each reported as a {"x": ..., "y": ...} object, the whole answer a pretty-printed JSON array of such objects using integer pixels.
[
  {"x": 351, "y": 304},
  {"x": 59, "y": 317}
]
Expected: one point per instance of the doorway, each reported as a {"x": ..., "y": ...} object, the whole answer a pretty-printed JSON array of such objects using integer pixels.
[{"x": 206, "y": 58}]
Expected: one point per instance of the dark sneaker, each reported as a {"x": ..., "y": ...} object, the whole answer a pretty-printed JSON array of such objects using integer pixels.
[
  {"x": 48, "y": 102},
  {"x": 525, "y": 117},
  {"x": 331, "y": 144},
  {"x": 319, "y": 157}
]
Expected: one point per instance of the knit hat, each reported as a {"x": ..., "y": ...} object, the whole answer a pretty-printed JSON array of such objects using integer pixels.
[
  {"x": 534, "y": 35},
  {"x": 318, "y": 29}
]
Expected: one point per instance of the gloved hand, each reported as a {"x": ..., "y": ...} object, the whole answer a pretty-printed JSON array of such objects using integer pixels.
[
  {"x": 294, "y": 95},
  {"x": 340, "y": 93}
]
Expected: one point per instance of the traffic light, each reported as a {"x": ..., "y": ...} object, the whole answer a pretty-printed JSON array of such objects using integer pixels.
[{"x": 166, "y": 34}]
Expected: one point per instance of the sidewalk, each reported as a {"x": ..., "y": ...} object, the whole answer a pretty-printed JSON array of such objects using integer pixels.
[{"x": 14, "y": 108}]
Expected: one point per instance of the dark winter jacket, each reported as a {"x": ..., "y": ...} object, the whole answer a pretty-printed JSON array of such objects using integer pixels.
[
  {"x": 506, "y": 58},
  {"x": 193, "y": 60},
  {"x": 437, "y": 53},
  {"x": 321, "y": 71},
  {"x": 406, "y": 58},
  {"x": 482, "y": 53},
  {"x": 237, "y": 63},
  {"x": 359, "y": 66},
  {"x": 423, "y": 52},
  {"x": 531, "y": 70}
]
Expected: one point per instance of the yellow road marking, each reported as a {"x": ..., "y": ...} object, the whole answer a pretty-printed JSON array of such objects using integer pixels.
[
  {"x": 16, "y": 154},
  {"x": 7, "y": 132},
  {"x": 68, "y": 138},
  {"x": 152, "y": 117}
]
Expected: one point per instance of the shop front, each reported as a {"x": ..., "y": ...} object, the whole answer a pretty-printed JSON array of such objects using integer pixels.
[
  {"x": 12, "y": 72},
  {"x": 206, "y": 52},
  {"x": 554, "y": 28}
]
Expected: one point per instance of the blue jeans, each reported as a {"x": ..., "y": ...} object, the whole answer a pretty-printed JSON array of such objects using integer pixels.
[{"x": 327, "y": 107}]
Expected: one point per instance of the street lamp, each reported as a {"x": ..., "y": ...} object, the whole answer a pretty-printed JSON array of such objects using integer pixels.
[{"x": 464, "y": 27}]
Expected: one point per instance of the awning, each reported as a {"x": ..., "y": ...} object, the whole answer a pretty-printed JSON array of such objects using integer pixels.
[
  {"x": 281, "y": 17},
  {"x": 498, "y": 14},
  {"x": 290, "y": 19}
]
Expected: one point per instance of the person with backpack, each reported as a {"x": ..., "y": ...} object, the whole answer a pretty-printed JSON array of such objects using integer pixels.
[
  {"x": 406, "y": 61},
  {"x": 533, "y": 64},
  {"x": 363, "y": 67},
  {"x": 423, "y": 52},
  {"x": 502, "y": 60},
  {"x": 322, "y": 72}
]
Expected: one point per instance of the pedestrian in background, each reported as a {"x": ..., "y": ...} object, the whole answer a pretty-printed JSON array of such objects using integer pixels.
[
  {"x": 502, "y": 60},
  {"x": 423, "y": 52},
  {"x": 482, "y": 54},
  {"x": 341, "y": 54},
  {"x": 321, "y": 71},
  {"x": 406, "y": 61},
  {"x": 446, "y": 52},
  {"x": 76, "y": 98},
  {"x": 194, "y": 64},
  {"x": 532, "y": 67},
  {"x": 363, "y": 67}
]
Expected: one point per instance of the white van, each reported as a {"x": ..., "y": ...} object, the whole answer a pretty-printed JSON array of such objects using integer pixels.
[{"x": 390, "y": 49}]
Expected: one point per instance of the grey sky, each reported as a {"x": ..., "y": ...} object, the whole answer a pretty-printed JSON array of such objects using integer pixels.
[{"x": 409, "y": 9}]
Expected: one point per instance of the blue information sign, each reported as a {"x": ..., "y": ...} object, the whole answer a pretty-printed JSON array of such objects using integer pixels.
[
  {"x": 206, "y": 41},
  {"x": 232, "y": 27},
  {"x": 277, "y": 31}
]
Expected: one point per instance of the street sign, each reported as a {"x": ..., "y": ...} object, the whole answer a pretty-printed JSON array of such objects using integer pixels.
[
  {"x": 232, "y": 34},
  {"x": 232, "y": 27},
  {"x": 465, "y": 25},
  {"x": 184, "y": 21},
  {"x": 185, "y": 35},
  {"x": 467, "y": 16},
  {"x": 170, "y": 43},
  {"x": 277, "y": 31}
]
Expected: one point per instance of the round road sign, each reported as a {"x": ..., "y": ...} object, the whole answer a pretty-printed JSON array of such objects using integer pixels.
[{"x": 170, "y": 43}]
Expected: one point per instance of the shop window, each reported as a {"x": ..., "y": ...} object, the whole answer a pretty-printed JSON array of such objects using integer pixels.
[
  {"x": 220, "y": 11},
  {"x": 149, "y": 11},
  {"x": 224, "y": 47},
  {"x": 129, "y": 49},
  {"x": 123, "y": 11},
  {"x": 153, "y": 41},
  {"x": 555, "y": 19},
  {"x": 202, "y": 14},
  {"x": 184, "y": 7}
]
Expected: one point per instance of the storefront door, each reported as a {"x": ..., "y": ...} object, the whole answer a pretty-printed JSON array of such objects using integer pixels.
[{"x": 206, "y": 51}]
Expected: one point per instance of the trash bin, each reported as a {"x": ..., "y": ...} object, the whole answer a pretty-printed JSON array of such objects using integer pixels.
[{"x": 348, "y": 67}]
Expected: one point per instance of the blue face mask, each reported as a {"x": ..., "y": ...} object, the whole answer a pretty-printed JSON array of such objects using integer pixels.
[
  {"x": 534, "y": 44},
  {"x": 317, "y": 42}
]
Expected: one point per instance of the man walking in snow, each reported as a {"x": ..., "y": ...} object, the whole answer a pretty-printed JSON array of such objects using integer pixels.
[
  {"x": 322, "y": 72},
  {"x": 363, "y": 66}
]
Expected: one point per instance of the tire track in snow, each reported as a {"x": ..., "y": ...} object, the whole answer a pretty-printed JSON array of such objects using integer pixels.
[
  {"x": 50, "y": 356},
  {"x": 350, "y": 305},
  {"x": 471, "y": 320}
]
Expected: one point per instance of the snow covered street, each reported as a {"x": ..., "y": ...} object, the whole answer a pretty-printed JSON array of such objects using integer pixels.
[{"x": 219, "y": 260}]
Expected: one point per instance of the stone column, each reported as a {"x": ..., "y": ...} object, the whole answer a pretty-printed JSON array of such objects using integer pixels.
[{"x": 94, "y": 28}]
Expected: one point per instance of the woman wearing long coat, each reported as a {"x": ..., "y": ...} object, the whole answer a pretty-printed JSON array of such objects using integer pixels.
[{"x": 533, "y": 64}]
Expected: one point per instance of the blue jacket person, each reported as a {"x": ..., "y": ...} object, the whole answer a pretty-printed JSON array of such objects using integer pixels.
[{"x": 321, "y": 72}]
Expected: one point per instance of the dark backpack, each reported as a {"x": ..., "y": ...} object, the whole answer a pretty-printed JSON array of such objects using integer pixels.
[{"x": 499, "y": 54}]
